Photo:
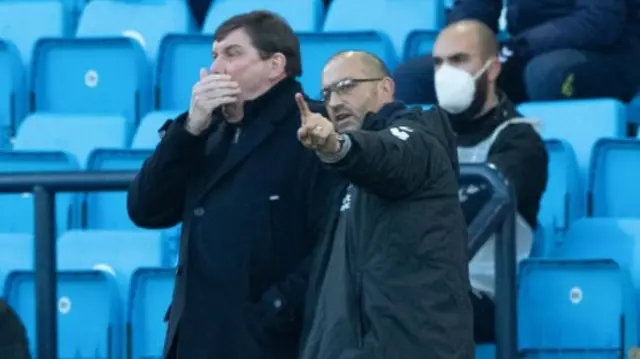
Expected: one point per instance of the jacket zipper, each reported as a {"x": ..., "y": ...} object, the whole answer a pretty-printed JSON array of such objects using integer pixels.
[
  {"x": 360, "y": 309},
  {"x": 236, "y": 135}
]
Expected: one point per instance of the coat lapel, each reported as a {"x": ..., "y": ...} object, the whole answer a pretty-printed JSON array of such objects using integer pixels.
[{"x": 248, "y": 142}]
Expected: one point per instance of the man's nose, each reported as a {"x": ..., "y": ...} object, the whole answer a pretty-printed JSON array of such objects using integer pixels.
[
  {"x": 216, "y": 67},
  {"x": 333, "y": 100}
]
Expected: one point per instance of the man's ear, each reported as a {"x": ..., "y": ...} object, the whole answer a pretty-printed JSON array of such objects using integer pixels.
[
  {"x": 494, "y": 70},
  {"x": 387, "y": 86},
  {"x": 277, "y": 65}
]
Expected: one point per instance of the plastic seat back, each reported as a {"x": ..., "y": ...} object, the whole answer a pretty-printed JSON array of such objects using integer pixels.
[
  {"x": 78, "y": 135},
  {"x": 563, "y": 201},
  {"x": 151, "y": 292},
  {"x": 88, "y": 316},
  {"x": 16, "y": 255},
  {"x": 26, "y": 22},
  {"x": 595, "y": 118},
  {"x": 132, "y": 19},
  {"x": 147, "y": 136},
  {"x": 301, "y": 15},
  {"x": 574, "y": 307},
  {"x": 180, "y": 60},
  {"x": 92, "y": 76},
  {"x": 13, "y": 91},
  {"x": 108, "y": 210},
  {"x": 613, "y": 186},
  {"x": 396, "y": 18},
  {"x": 97, "y": 249},
  {"x": 20, "y": 218}
]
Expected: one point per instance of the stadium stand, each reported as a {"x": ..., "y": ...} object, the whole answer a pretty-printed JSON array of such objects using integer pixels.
[{"x": 92, "y": 98}]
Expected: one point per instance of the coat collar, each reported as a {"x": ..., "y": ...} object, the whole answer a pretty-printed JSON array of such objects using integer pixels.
[{"x": 261, "y": 117}]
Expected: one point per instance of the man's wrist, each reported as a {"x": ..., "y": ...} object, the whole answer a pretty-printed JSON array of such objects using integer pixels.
[
  {"x": 344, "y": 143},
  {"x": 189, "y": 127}
]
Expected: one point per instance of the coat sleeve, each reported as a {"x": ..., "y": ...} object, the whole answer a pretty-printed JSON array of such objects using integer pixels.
[
  {"x": 519, "y": 153},
  {"x": 392, "y": 163},
  {"x": 320, "y": 198},
  {"x": 593, "y": 24},
  {"x": 156, "y": 196},
  {"x": 485, "y": 11}
]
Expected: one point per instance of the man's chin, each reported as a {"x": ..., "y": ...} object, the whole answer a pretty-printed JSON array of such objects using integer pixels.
[{"x": 348, "y": 125}]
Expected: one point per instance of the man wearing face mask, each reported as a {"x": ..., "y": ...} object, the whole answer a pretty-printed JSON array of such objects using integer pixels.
[
  {"x": 489, "y": 130},
  {"x": 389, "y": 279},
  {"x": 250, "y": 198},
  {"x": 554, "y": 50}
]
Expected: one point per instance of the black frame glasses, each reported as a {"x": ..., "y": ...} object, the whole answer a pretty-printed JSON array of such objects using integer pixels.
[{"x": 344, "y": 86}]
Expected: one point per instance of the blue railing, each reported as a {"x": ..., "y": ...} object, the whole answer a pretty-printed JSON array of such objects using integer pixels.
[{"x": 496, "y": 218}]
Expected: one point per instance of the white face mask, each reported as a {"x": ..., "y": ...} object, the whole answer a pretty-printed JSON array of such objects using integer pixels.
[{"x": 455, "y": 88}]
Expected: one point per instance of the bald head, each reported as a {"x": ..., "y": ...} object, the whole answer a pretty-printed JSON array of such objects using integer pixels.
[
  {"x": 472, "y": 34},
  {"x": 369, "y": 64}
]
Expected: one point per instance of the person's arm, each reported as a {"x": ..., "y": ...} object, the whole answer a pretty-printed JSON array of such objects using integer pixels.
[
  {"x": 592, "y": 25},
  {"x": 520, "y": 155},
  {"x": 394, "y": 162},
  {"x": 156, "y": 196},
  {"x": 486, "y": 11}
]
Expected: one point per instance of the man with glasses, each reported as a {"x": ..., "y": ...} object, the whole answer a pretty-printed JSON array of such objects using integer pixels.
[{"x": 389, "y": 279}]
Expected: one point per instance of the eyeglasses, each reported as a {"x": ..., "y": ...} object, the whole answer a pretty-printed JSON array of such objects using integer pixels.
[{"x": 344, "y": 86}]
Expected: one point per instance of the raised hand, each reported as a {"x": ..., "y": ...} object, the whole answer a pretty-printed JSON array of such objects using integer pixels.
[
  {"x": 316, "y": 132},
  {"x": 211, "y": 92}
]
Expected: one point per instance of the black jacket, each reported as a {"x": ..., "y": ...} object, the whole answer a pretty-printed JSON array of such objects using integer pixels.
[
  {"x": 13, "y": 336},
  {"x": 518, "y": 152},
  {"x": 390, "y": 279},
  {"x": 250, "y": 198}
]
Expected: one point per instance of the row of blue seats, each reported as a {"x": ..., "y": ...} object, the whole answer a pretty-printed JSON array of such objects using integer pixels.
[
  {"x": 26, "y": 21},
  {"x": 582, "y": 299},
  {"x": 610, "y": 191},
  {"x": 114, "y": 75},
  {"x": 104, "y": 141}
]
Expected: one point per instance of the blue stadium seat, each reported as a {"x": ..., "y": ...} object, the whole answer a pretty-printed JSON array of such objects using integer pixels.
[
  {"x": 575, "y": 307},
  {"x": 563, "y": 201},
  {"x": 13, "y": 91},
  {"x": 90, "y": 76},
  {"x": 304, "y": 15},
  {"x": 108, "y": 210},
  {"x": 87, "y": 312},
  {"x": 615, "y": 171},
  {"x": 180, "y": 60},
  {"x": 317, "y": 48},
  {"x": 485, "y": 352},
  {"x": 77, "y": 135},
  {"x": 595, "y": 119},
  {"x": 604, "y": 238},
  {"x": 147, "y": 136},
  {"x": 410, "y": 15},
  {"x": 117, "y": 252},
  {"x": 21, "y": 219},
  {"x": 151, "y": 291},
  {"x": 419, "y": 42},
  {"x": 16, "y": 255},
  {"x": 132, "y": 19},
  {"x": 25, "y": 22}
]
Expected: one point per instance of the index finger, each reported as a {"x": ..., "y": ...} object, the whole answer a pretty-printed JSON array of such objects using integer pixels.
[{"x": 302, "y": 105}]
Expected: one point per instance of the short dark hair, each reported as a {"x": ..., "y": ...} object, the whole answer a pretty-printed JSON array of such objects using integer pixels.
[{"x": 269, "y": 33}]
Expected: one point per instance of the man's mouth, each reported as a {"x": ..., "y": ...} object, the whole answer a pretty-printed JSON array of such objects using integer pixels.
[{"x": 342, "y": 117}]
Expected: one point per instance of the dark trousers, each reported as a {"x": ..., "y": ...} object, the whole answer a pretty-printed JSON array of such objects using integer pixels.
[
  {"x": 484, "y": 329},
  {"x": 556, "y": 75}
]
